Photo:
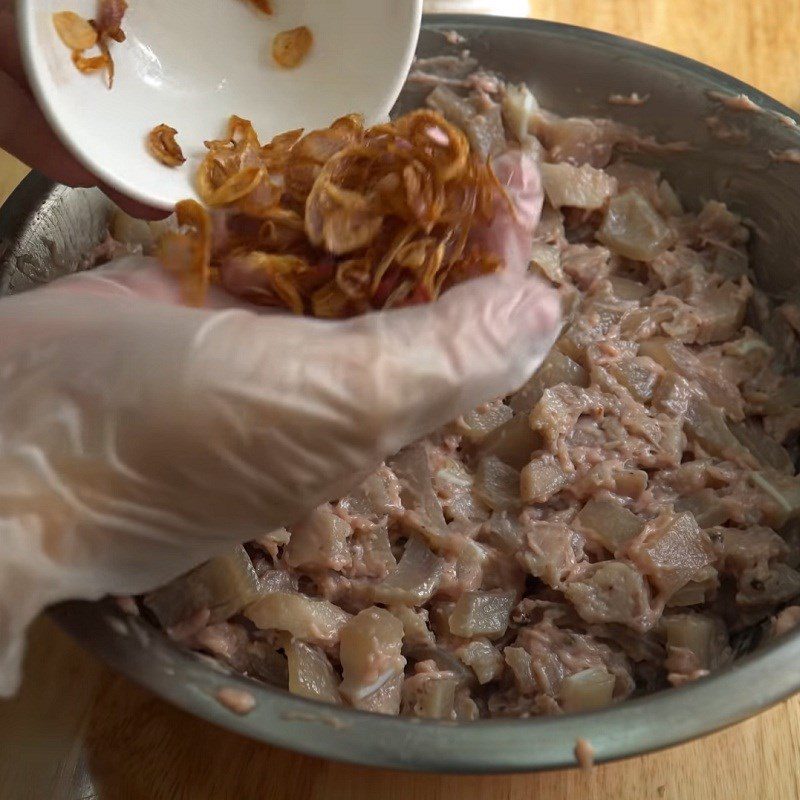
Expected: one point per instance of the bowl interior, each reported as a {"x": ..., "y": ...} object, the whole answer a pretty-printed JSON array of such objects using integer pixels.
[
  {"x": 189, "y": 65},
  {"x": 46, "y": 231}
]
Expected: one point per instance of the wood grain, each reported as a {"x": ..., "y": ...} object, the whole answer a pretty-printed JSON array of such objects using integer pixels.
[
  {"x": 754, "y": 40},
  {"x": 11, "y": 173},
  {"x": 79, "y": 732}
]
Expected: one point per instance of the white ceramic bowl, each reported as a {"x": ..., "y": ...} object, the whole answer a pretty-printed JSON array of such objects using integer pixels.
[{"x": 192, "y": 63}]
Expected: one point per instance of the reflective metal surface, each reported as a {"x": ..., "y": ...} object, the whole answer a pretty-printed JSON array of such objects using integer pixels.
[{"x": 45, "y": 229}]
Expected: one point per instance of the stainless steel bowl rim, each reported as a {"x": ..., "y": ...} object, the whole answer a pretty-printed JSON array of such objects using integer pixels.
[{"x": 637, "y": 726}]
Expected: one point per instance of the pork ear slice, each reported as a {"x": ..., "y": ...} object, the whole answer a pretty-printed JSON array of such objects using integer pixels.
[
  {"x": 703, "y": 634},
  {"x": 541, "y": 479},
  {"x": 313, "y": 620},
  {"x": 671, "y": 551},
  {"x": 320, "y": 542},
  {"x": 372, "y": 666},
  {"x": 544, "y": 657},
  {"x": 550, "y": 552},
  {"x": 311, "y": 674},
  {"x": 413, "y": 471},
  {"x": 430, "y": 695},
  {"x": 609, "y": 522},
  {"x": 556, "y": 368},
  {"x": 577, "y": 187},
  {"x": 612, "y": 591},
  {"x": 497, "y": 484},
  {"x": 224, "y": 585},
  {"x": 415, "y": 579},
  {"x": 484, "y": 658},
  {"x": 482, "y": 614},
  {"x": 588, "y": 690}
]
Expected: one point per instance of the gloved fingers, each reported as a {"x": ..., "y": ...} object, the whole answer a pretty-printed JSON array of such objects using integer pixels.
[
  {"x": 337, "y": 397},
  {"x": 293, "y": 410},
  {"x": 428, "y": 364},
  {"x": 349, "y": 392},
  {"x": 519, "y": 174},
  {"x": 225, "y": 424},
  {"x": 145, "y": 278},
  {"x": 508, "y": 234},
  {"x": 171, "y": 432}
]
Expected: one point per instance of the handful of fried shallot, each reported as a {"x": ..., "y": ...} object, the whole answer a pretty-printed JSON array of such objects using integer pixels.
[{"x": 338, "y": 221}]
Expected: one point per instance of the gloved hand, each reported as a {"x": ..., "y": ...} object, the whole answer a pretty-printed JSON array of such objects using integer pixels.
[{"x": 139, "y": 437}]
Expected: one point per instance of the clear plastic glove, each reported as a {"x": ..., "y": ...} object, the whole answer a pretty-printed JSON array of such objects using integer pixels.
[{"x": 139, "y": 437}]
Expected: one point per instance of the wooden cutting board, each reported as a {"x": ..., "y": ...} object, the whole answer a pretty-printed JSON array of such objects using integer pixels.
[{"x": 79, "y": 732}]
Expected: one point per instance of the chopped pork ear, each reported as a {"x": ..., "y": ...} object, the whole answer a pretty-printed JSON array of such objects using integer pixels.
[
  {"x": 614, "y": 526},
  {"x": 671, "y": 551},
  {"x": 371, "y": 661}
]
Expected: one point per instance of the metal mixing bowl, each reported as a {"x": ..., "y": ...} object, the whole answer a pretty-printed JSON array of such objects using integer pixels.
[{"x": 45, "y": 230}]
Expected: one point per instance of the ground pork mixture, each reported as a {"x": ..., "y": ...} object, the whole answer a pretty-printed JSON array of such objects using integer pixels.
[{"x": 624, "y": 522}]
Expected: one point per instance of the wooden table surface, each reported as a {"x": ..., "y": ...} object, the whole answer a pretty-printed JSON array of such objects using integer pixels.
[{"x": 79, "y": 732}]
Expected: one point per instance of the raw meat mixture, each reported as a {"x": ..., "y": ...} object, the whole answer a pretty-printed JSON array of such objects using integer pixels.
[{"x": 624, "y": 522}]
